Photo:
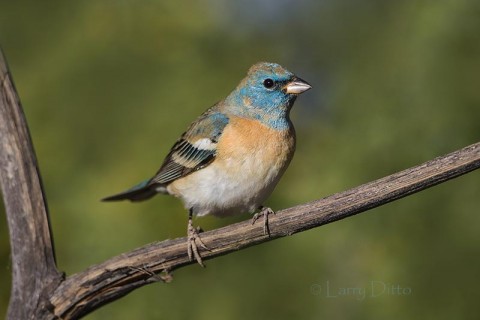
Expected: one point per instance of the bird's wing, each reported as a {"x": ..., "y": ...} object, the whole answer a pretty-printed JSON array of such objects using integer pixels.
[{"x": 195, "y": 149}]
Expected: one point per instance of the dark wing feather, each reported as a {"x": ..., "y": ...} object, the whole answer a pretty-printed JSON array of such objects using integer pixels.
[
  {"x": 195, "y": 150},
  {"x": 182, "y": 160}
]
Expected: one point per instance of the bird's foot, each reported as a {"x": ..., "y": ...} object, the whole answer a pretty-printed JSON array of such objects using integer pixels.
[
  {"x": 193, "y": 239},
  {"x": 264, "y": 211}
]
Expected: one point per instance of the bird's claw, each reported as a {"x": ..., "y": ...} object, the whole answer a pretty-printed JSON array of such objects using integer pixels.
[
  {"x": 192, "y": 248},
  {"x": 264, "y": 211}
]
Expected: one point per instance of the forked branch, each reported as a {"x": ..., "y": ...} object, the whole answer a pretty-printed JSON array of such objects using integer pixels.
[{"x": 39, "y": 291}]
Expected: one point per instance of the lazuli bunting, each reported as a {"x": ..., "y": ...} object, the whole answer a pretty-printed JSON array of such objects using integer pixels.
[{"x": 230, "y": 159}]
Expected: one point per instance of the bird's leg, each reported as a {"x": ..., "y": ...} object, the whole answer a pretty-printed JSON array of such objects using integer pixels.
[
  {"x": 264, "y": 211},
  {"x": 193, "y": 237}
]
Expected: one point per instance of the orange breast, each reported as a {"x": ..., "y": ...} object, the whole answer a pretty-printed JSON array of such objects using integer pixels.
[{"x": 244, "y": 138}]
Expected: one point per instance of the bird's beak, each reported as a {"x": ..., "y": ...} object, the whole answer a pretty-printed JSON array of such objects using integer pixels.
[{"x": 297, "y": 86}]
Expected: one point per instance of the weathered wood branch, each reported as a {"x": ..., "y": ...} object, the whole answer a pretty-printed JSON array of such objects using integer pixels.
[
  {"x": 85, "y": 291},
  {"x": 33, "y": 260},
  {"x": 39, "y": 291}
]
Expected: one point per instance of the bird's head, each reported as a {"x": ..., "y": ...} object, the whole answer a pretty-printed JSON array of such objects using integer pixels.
[{"x": 267, "y": 90}]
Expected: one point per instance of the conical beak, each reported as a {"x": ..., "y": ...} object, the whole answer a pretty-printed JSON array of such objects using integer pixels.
[{"x": 297, "y": 86}]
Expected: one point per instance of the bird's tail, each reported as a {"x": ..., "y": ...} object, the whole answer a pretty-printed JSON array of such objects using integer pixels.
[{"x": 141, "y": 191}]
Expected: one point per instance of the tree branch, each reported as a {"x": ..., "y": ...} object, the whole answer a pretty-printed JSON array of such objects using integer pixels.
[
  {"x": 39, "y": 292},
  {"x": 86, "y": 291},
  {"x": 33, "y": 260}
]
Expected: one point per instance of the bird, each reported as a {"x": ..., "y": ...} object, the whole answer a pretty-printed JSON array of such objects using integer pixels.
[{"x": 232, "y": 156}]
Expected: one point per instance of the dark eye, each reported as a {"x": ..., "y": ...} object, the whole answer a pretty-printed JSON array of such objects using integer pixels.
[{"x": 268, "y": 83}]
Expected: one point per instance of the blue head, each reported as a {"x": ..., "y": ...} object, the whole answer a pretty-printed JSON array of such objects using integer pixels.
[{"x": 267, "y": 93}]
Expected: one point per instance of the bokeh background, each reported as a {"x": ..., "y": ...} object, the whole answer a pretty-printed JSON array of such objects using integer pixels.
[{"x": 108, "y": 86}]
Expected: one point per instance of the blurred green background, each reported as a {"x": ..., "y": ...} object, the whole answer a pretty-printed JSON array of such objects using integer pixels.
[{"x": 108, "y": 86}]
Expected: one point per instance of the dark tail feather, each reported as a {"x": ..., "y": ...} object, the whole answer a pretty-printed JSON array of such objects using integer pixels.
[{"x": 142, "y": 191}]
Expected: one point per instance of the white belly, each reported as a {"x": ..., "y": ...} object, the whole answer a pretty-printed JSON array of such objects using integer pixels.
[{"x": 236, "y": 187}]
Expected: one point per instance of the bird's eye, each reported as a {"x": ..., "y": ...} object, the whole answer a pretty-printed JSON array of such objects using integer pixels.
[{"x": 268, "y": 83}]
